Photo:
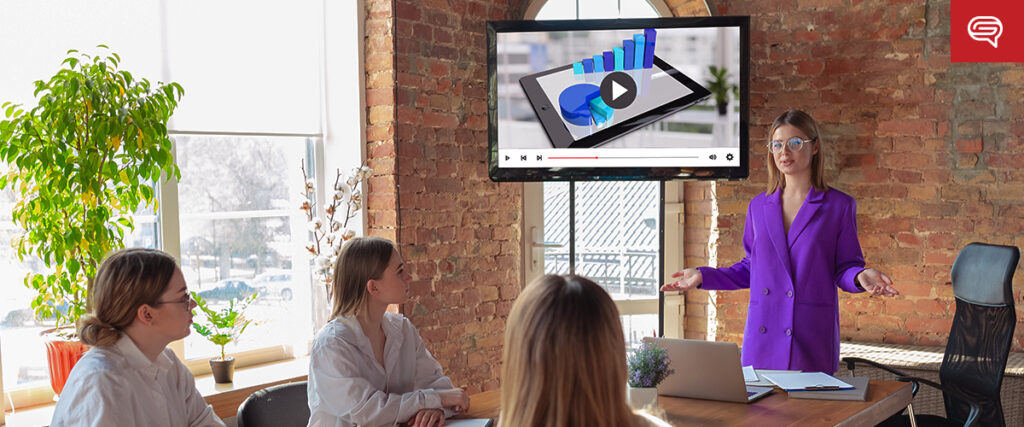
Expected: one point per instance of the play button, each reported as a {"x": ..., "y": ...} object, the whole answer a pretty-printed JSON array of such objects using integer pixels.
[{"x": 618, "y": 90}]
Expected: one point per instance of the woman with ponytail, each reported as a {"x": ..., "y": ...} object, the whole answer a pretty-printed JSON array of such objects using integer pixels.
[{"x": 140, "y": 303}]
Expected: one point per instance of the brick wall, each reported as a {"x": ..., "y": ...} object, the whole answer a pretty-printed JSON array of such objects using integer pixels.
[
  {"x": 427, "y": 142},
  {"x": 931, "y": 150}
]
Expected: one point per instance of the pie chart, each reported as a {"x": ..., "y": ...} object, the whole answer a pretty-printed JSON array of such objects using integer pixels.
[{"x": 581, "y": 105}]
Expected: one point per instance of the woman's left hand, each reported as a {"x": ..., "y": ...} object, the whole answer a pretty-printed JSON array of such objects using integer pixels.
[
  {"x": 428, "y": 418},
  {"x": 876, "y": 282}
]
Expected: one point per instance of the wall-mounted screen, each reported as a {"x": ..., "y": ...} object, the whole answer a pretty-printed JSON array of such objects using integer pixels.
[{"x": 641, "y": 99}]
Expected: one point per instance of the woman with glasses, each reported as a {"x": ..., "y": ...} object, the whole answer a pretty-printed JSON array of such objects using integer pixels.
[
  {"x": 801, "y": 246},
  {"x": 140, "y": 303}
]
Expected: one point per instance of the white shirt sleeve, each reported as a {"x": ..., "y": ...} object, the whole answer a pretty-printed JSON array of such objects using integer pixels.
[
  {"x": 198, "y": 412},
  {"x": 337, "y": 383},
  {"x": 429, "y": 375}
]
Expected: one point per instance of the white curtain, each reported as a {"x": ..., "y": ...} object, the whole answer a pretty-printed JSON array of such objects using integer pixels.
[{"x": 246, "y": 66}]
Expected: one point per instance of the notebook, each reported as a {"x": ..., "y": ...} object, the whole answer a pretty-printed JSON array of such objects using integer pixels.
[
  {"x": 807, "y": 381},
  {"x": 859, "y": 391},
  {"x": 706, "y": 370}
]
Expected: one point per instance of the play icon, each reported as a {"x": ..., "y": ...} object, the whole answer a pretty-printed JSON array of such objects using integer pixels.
[{"x": 618, "y": 90}]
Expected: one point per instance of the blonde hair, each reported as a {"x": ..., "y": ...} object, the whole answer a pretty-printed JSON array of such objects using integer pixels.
[
  {"x": 809, "y": 127},
  {"x": 362, "y": 259},
  {"x": 125, "y": 281},
  {"x": 564, "y": 358}
]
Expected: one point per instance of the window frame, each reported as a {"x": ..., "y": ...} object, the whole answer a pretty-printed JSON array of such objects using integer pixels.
[{"x": 342, "y": 134}]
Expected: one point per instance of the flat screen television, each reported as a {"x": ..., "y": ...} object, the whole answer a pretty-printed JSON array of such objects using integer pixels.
[{"x": 622, "y": 99}]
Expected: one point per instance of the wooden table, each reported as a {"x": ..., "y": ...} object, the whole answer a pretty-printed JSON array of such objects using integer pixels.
[{"x": 885, "y": 398}]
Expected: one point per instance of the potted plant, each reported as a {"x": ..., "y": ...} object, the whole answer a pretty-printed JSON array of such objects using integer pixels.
[
  {"x": 80, "y": 163},
  {"x": 222, "y": 327},
  {"x": 719, "y": 86},
  {"x": 647, "y": 367}
]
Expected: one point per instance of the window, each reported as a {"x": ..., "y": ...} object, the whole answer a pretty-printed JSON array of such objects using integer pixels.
[
  {"x": 267, "y": 91},
  {"x": 616, "y": 245},
  {"x": 239, "y": 232},
  {"x": 617, "y": 223}
]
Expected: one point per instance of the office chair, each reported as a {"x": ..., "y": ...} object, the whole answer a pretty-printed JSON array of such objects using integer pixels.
[
  {"x": 979, "y": 340},
  {"x": 279, "y": 405}
]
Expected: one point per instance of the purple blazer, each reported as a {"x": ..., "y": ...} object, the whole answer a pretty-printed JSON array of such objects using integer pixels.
[{"x": 793, "y": 317}]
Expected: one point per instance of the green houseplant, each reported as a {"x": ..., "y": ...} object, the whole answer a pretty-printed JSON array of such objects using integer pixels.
[
  {"x": 223, "y": 326},
  {"x": 647, "y": 367},
  {"x": 80, "y": 163},
  {"x": 720, "y": 87}
]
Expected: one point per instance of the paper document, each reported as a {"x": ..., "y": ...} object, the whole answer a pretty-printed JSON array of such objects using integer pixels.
[
  {"x": 859, "y": 392},
  {"x": 469, "y": 422},
  {"x": 807, "y": 381},
  {"x": 761, "y": 381},
  {"x": 749, "y": 376}
]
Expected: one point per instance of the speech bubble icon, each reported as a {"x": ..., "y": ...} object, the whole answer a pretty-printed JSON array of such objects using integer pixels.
[{"x": 985, "y": 29}]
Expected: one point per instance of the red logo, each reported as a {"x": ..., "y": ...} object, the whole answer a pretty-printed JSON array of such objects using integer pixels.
[{"x": 987, "y": 31}]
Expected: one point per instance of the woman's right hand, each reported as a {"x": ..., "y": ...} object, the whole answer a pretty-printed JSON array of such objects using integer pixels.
[
  {"x": 688, "y": 279},
  {"x": 455, "y": 399}
]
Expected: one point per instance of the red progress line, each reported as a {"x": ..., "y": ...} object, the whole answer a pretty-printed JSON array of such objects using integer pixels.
[{"x": 563, "y": 158}]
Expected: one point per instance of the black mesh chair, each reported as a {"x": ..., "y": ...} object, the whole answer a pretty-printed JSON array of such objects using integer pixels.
[
  {"x": 282, "y": 405},
  {"x": 971, "y": 373}
]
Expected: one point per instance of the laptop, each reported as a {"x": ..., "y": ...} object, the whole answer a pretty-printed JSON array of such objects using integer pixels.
[{"x": 706, "y": 370}]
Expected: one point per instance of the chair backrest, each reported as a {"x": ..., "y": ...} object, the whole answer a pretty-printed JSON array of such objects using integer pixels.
[
  {"x": 982, "y": 330},
  {"x": 280, "y": 405}
]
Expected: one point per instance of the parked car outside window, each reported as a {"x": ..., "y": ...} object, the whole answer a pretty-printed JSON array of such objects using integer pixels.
[
  {"x": 228, "y": 289},
  {"x": 275, "y": 285}
]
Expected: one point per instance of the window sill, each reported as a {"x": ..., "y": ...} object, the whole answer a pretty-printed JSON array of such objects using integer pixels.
[{"x": 225, "y": 398}]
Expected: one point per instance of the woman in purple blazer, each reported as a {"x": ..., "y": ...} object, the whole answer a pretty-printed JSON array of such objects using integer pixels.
[{"x": 800, "y": 240}]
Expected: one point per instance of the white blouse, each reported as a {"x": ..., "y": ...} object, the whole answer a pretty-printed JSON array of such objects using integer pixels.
[
  {"x": 118, "y": 386},
  {"x": 347, "y": 386}
]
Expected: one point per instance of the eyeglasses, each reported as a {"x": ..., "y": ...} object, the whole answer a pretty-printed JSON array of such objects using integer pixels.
[
  {"x": 795, "y": 144},
  {"x": 187, "y": 300}
]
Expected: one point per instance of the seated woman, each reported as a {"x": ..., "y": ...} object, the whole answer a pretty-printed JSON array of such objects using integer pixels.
[
  {"x": 140, "y": 303},
  {"x": 369, "y": 367},
  {"x": 565, "y": 359}
]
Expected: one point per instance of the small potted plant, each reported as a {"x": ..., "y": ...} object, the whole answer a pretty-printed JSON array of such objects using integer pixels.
[
  {"x": 647, "y": 367},
  {"x": 720, "y": 87},
  {"x": 222, "y": 327}
]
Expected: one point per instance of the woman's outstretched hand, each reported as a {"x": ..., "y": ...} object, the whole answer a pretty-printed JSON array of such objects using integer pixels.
[
  {"x": 876, "y": 282},
  {"x": 688, "y": 279}
]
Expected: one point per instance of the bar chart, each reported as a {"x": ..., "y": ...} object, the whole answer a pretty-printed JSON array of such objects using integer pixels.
[
  {"x": 581, "y": 104},
  {"x": 635, "y": 53}
]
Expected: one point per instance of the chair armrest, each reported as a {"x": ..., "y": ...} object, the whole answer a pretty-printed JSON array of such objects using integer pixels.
[
  {"x": 975, "y": 406},
  {"x": 851, "y": 361}
]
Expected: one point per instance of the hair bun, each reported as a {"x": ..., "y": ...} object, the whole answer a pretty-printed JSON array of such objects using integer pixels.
[{"x": 96, "y": 332}]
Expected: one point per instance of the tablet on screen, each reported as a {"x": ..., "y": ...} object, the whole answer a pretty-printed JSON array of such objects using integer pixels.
[{"x": 656, "y": 92}]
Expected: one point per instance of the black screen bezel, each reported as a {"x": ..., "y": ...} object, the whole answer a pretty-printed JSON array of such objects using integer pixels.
[{"x": 603, "y": 173}]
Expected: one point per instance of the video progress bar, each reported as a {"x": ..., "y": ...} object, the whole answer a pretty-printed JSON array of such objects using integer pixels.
[{"x": 620, "y": 157}]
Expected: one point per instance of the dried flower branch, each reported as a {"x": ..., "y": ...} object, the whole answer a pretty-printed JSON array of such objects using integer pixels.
[{"x": 329, "y": 229}]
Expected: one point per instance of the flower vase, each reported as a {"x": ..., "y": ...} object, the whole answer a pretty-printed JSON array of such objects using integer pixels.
[{"x": 640, "y": 397}]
